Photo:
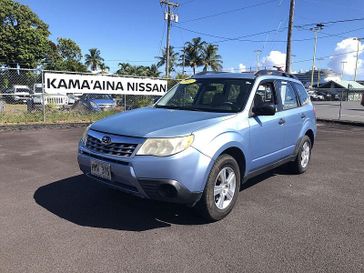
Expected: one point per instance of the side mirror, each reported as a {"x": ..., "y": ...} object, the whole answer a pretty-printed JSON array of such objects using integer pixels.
[{"x": 264, "y": 109}]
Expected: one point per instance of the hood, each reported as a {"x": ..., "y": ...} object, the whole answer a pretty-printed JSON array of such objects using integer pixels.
[{"x": 158, "y": 122}]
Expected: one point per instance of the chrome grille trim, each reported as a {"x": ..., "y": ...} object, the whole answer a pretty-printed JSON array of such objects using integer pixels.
[{"x": 113, "y": 149}]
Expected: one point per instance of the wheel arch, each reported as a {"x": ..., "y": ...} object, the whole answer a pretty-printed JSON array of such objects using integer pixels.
[{"x": 311, "y": 135}]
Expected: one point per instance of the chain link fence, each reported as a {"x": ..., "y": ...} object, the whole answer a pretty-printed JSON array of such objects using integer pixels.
[
  {"x": 346, "y": 104},
  {"x": 23, "y": 99}
]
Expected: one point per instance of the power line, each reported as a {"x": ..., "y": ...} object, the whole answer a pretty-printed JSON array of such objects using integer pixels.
[
  {"x": 239, "y": 38},
  {"x": 228, "y": 11}
]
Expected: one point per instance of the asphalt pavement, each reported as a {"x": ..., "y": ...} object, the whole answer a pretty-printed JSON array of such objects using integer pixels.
[{"x": 53, "y": 219}]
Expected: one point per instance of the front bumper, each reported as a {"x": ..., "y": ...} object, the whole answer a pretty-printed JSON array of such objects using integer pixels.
[{"x": 179, "y": 179}]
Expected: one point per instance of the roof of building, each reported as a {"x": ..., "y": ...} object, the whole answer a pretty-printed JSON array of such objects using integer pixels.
[{"x": 346, "y": 84}]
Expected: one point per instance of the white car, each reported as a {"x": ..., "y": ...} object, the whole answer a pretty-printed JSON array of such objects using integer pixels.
[
  {"x": 17, "y": 94},
  {"x": 314, "y": 96}
]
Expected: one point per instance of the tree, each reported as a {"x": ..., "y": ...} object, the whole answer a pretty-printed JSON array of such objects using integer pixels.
[
  {"x": 173, "y": 56},
  {"x": 211, "y": 58},
  {"x": 127, "y": 69},
  {"x": 153, "y": 71},
  {"x": 23, "y": 36},
  {"x": 64, "y": 56},
  {"x": 93, "y": 59},
  {"x": 69, "y": 50},
  {"x": 192, "y": 53},
  {"x": 104, "y": 68}
]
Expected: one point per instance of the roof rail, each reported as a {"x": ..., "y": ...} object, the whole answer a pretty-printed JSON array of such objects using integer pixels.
[
  {"x": 209, "y": 72},
  {"x": 275, "y": 73}
]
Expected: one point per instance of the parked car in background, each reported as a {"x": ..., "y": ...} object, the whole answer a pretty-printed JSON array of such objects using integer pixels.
[
  {"x": 315, "y": 96},
  {"x": 58, "y": 101},
  {"x": 17, "y": 94},
  {"x": 204, "y": 138},
  {"x": 95, "y": 103}
]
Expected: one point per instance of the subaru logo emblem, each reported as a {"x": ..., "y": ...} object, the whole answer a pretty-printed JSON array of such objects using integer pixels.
[{"x": 106, "y": 140}]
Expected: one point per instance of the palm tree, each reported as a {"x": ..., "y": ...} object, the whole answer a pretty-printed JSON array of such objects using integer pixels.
[
  {"x": 93, "y": 59},
  {"x": 192, "y": 53},
  {"x": 211, "y": 58},
  {"x": 125, "y": 69},
  {"x": 173, "y": 56},
  {"x": 153, "y": 71},
  {"x": 104, "y": 68}
]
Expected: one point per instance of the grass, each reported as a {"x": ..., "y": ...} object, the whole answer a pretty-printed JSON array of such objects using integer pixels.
[{"x": 17, "y": 114}]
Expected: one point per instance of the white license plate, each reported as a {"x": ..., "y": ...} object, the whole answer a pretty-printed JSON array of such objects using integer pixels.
[{"x": 101, "y": 169}]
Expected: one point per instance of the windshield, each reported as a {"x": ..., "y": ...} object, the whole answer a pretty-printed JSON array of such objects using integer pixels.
[
  {"x": 98, "y": 97},
  {"x": 212, "y": 95}
]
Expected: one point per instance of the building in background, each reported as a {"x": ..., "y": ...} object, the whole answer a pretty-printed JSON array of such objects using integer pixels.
[
  {"x": 348, "y": 90},
  {"x": 319, "y": 76}
]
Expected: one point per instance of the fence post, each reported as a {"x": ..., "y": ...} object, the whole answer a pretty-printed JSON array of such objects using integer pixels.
[
  {"x": 124, "y": 102},
  {"x": 341, "y": 99},
  {"x": 43, "y": 98}
]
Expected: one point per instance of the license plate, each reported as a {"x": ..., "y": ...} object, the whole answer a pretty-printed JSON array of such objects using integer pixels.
[{"x": 101, "y": 169}]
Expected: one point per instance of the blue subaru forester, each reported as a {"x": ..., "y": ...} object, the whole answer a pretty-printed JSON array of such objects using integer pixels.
[{"x": 203, "y": 139}]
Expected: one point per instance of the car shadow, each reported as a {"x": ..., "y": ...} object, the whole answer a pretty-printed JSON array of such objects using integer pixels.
[{"x": 85, "y": 202}]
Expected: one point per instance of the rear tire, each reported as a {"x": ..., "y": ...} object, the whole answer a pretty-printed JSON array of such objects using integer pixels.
[
  {"x": 300, "y": 165},
  {"x": 222, "y": 189}
]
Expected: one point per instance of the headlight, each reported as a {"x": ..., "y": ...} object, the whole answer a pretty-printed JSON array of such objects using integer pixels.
[
  {"x": 165, "y": 146},
  {"x": 84, "y": 135}
]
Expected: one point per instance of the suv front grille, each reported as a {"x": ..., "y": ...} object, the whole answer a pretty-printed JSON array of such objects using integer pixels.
[{"x": 115, "y": 149}]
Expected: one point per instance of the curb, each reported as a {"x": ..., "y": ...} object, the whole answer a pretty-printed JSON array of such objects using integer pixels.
[
  {"x": 36, "y": 126},
  {"x": 342, "y": 122}
]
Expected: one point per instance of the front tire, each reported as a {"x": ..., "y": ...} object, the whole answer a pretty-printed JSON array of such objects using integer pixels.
[{"x": 222, "y": 189}]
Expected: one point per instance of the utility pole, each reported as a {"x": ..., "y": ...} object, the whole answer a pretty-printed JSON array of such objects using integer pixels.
[
  {"x": 357, "y": 56},
  {"x": 184, "y": 60},
  {"x": 257, "y": 55},
  {"x": 315, "y": 30},
  {"x": 289, "y": 36},
  {"x": 169, "y": 16}
]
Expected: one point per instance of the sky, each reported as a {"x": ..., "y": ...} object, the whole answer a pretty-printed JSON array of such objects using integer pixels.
[{"x": 135, "y": 31}]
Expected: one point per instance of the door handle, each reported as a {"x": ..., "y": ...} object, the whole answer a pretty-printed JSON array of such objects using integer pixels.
[
  {"x": 281, "y": 121},
  {"x": 303, "y": 115}
]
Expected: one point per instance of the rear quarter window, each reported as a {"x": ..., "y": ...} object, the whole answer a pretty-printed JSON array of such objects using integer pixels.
[{"x": 302, "y": 93}]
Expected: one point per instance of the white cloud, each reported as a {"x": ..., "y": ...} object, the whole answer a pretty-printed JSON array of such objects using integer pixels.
[
  {"x": 345, "y": 51},
  {"x": 242, "y": 68},
  {"x": 275, "y": 58}
]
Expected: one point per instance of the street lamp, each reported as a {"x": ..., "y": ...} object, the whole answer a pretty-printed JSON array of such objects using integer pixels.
[
  {"x": 357, "y": 55},
  {"x": 257, "y": 52},
  {"x": 342, "y": 69},
  {"x": 315, "y": 30}
]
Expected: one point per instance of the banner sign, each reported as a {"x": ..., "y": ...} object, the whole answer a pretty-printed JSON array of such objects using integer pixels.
[{"x": 57, "y": 83}]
